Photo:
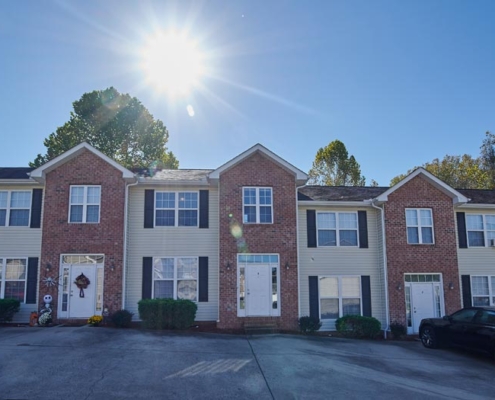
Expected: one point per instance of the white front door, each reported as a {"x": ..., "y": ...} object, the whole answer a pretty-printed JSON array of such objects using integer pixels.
[
  {"x": 258, "y": 290},
  {"x": 82, "y": 303},
  {"x": 422, "y": 303}
]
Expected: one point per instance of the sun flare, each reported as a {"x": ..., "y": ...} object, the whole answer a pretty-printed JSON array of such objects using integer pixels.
[{"x": 172, "y": 63}]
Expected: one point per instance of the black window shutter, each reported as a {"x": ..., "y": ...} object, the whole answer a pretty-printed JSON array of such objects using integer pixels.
[
  {"x": 466, "y": 290},
  {"x": 32, "y": 280},
  {"x": 366, "y": 295},
  {"x": 203, "y": 208},
  {"x": 311, "y": 224},
  {"x": 461, "y": 230},
  {"x": 363, "y": 229},
  {"x": 314, "y": 298},
  {"x": 203, "y": 279},
  {"x": 147, "y": 277},
  {"x": 149, "y": 208},
  {"x": 36, "y": 208}
]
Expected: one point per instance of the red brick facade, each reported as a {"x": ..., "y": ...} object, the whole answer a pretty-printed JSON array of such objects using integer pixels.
[
  {"x": 279, "y": 237},
  {"x": 440, "y": 257},
  {"x": 105, "y": 237}
]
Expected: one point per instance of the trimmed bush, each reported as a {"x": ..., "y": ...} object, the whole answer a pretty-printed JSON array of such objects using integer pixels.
[
  {"x": 122, "y": 318},
  {"x": 167, "y": 313},
  {"x": 8, "y": 307},
  {"x": 309, "y": 324},
  {"x": 357, "y": 326},
  {"x": 398, "y": 330}
]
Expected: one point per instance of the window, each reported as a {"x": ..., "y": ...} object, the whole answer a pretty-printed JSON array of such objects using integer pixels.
[
  {"x": 13, "y": 273},
  {"x": 464, "y": 315},
  {"x": 339, "y": 296},
  {"x": 176, "y": 209},
  {"x": 337, "y": 229},
  {"x": 84, "y": 204},
  {"x": 483, "y": 290},
  {"x": 480, "y": 229},
  {"x": 257, "y": 205},
  {"x": 15, "y": 208},
  {"x": 419, "y": 224},
  {"x": 175, "y": 278}
]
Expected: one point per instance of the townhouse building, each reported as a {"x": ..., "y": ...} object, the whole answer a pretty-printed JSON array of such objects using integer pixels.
[{"x": 250, "y": 242}]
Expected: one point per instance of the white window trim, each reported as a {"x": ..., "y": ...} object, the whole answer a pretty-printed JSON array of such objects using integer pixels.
[
  {"x": 340, "y": 297},
  {"x": 419, "y": 226},
  {"x": 257, "y": 205},
  {"x": 484, "y": 230},
  {"x": 176, "y": 210},
  {"x": 175, "y": 279},
  {"x": 491, "y": 289},
  {"x": 9, "y": 208},
  {"x": 338, "y": 229},
  {"x": 4, "y": 277},
  {"x": 84, "y": 204}
]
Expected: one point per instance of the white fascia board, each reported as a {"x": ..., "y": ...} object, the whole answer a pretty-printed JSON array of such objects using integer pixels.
[
  {"x": 457, "y": 197},
  {"x": 301, "y": 176},
  {"x": 365, "y": 203},
  {"x": 147, "y": 182},
  {"x": 7, "y": 182},
  {"x": 39, "y": 173},
  {"x": 469, "y": 206}
]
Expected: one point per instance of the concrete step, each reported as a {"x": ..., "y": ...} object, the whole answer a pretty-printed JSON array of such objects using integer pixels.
[{"x": 260, "y": 329}]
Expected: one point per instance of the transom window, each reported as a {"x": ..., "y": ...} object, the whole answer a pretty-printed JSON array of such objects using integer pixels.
[
  {"x": 175, "y": 278},
  {"x": 84, "y": 204},
  {"x": 337, "y": 229},
  {"x": 419, "y": 222},
  {"x": 176, "y": 209},
  {"x": 15, "y": 208},
  {"x": 480, "y": 229},
  {"x": 13, "y": 273},
  {"x": 257, "y": 205},
  {"x": 339, "y": 296},
  {"x": 483, "y": 290}
]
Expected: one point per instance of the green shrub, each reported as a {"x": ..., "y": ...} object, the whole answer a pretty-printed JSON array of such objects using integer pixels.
[
  {"x": 357, "y": 326},
  {"x": 167, "y": 313},
  {"x": 397, "y": 329},
  {"x": 309, "y": 324},
  {"x": 8, "y": 307},
  {"x": 122, "y": 318}
]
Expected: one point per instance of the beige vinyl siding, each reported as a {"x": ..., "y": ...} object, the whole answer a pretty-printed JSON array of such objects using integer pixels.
[
  {"x": 343, "y": 261},
  {"x": 171, "y": 242},
  {"x": 21, "y": 242}
]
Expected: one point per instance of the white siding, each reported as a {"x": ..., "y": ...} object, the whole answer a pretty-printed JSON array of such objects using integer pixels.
[
  {"x": 21, "y": 242},
  {"x": 171, "y": 241},
  {"x": 324, "y": 261}
]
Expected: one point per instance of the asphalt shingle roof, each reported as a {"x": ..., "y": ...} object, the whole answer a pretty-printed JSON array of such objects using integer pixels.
[
  {"x": 175, "y": 174},
  {"x": 15, "y": 173},
  {"x": 479, "y": 196},
  {"x": 339, "y": 193}
]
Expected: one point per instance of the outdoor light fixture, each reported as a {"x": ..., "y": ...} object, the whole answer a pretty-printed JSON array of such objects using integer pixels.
[
  {"x": 451, "y": 286},
  {"x": 228, "y": 266},
  {"x": 112, "y": 266},
  {"x": 399, "y": 286},
  {"x": 48, "y": 267},
  {"x": 287, "y": 265}
]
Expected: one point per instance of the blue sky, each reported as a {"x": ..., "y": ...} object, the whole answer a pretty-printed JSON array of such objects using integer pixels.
[{"x": 399, "y": 82}]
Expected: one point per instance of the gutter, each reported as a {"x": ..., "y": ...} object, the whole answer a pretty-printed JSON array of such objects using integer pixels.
[
  {"x": 385, "y": 271},
  {"x": 124, "y": 258},
  {"x": 312, "y": 203},
  {"x": 298, "y": 252}
]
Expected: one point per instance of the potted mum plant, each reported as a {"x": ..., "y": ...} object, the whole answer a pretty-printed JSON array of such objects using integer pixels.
[{"x": 95, "y": 320}]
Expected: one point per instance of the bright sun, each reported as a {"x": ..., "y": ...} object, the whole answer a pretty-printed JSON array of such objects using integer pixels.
[{"x": 172, "y": 63}]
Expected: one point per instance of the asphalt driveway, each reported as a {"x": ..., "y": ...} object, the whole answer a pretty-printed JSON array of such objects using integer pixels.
[{"x": 94, "y": 363}]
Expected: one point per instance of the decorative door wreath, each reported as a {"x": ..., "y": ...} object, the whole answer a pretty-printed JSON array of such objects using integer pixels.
[{"x": 82, "y": 283}]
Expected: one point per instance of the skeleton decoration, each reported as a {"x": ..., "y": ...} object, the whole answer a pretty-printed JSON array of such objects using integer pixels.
[{"x": 45, "y": 315}]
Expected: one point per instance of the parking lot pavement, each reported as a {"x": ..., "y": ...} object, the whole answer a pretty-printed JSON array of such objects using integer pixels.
[{"x": 93, "y": 363}]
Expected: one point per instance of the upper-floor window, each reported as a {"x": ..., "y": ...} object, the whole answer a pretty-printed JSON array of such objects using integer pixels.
[
  {"x": 480, "y": 229},
  {"x": 15, "y": 208},
  {"x": 176, "y": 209},
  {"x": 257, "y": 205},
  {"x": 419, "y": 222},
  {"x": 337, "y": 228},
  {"x": 13, "y": 273},
  {"x": 175, "y": 278},
  {"x": 85, "y": 204}
]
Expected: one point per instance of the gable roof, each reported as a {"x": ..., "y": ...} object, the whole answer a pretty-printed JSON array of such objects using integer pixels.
[
  {"x": 455, "y": 195},
  {"x": 301, "y": 177},
  {"x": 39, "y": 173}
]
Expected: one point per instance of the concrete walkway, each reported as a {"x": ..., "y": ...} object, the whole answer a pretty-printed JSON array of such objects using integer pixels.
[{"x": 104, "y": 363}]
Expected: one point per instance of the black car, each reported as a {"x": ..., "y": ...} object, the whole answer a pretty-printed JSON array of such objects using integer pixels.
[{"x": 472, "y": 328}]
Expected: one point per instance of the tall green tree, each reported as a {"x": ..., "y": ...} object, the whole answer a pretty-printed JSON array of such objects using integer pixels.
[
  {"x": 487, "y": 156},
  {"x": 334, "y": 167},
  {"x": 116, "y": 124}
]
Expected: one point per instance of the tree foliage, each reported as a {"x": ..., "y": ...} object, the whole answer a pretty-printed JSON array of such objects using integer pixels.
[
  {"x": 464, "y": 172},
  {"x": 334, "y": 167},
  {"x": 116, "y": 124}
]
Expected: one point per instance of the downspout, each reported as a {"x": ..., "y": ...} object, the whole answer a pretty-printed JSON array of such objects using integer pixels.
[
  {"x": 297, "y": 248},
  {"x": 385, "y": 271},
  {"x": 124, "y": 259}
]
